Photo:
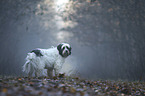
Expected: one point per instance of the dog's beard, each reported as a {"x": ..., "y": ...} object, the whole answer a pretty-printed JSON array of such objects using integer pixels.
[{"x": 65, "y": 53}]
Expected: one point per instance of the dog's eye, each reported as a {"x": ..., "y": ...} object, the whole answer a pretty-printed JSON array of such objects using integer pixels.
[
  {"x": 63, "y": 48},
  {"x": 67, "y": 47}
]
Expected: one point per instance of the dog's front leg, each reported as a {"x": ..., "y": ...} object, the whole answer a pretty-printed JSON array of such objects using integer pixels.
[
  {"x": 57, "y": 70},
  {"x": 50, "y": 73}
]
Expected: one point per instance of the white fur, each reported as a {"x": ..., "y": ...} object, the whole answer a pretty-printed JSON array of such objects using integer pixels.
[{"x": 51, "y": 60}]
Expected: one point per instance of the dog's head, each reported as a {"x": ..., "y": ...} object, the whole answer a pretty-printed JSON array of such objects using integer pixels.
[{"x": 64, "y": 49}]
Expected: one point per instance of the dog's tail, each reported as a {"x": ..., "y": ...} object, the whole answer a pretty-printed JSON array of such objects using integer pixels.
[{"x": 27, "y": 67}]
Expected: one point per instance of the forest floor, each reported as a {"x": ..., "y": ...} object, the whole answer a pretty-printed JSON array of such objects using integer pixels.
[{"x": 68, "y": 86}]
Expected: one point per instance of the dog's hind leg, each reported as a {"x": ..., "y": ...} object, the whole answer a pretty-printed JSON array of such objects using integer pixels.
[
  {"x": 30, "y": 74},
  {"x": 31, "y": 70},
  {"x": 50, "y": 73},
  {"x": 36, "y": 74}
]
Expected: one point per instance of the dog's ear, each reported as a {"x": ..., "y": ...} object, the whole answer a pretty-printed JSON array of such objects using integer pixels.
[
  {"x": 70, "y": 49},
  {"x": 59, "y": 47},
  {"x": 70, "y": 53}
]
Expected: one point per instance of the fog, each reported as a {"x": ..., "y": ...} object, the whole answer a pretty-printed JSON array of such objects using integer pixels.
[{"x": 107, "y": 36}]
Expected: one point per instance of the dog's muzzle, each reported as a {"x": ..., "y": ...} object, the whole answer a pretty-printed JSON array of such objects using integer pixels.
[{"x": 66, "y": 53}]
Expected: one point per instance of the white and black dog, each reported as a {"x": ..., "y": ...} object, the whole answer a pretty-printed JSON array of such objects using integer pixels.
[{"x": 51, "y": 59}]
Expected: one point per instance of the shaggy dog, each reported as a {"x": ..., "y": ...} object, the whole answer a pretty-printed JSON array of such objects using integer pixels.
[{"x": 51, "y": 59}]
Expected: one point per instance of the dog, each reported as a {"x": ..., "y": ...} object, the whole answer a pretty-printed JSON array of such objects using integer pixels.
[{"x": 51, "y": 59}]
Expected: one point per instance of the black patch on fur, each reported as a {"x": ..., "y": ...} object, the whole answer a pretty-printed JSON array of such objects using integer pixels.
[
  {"x": 59, "y": 49},
  {"x": 37, "y": 52}
]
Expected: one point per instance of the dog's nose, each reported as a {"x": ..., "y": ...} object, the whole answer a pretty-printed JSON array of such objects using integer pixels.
[{"x": 67, "y": 52}]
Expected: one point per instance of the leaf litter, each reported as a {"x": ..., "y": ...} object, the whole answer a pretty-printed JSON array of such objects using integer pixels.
[{"x": 68, "y": 86}]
